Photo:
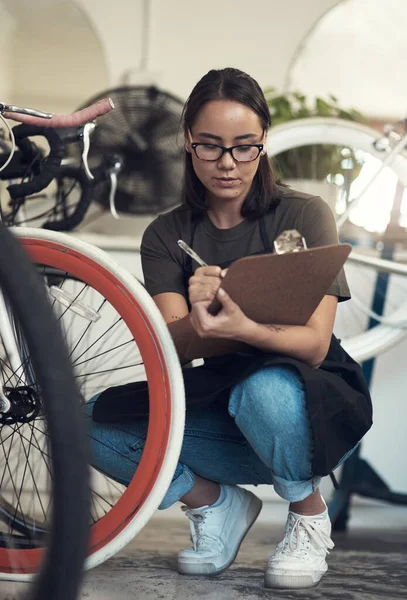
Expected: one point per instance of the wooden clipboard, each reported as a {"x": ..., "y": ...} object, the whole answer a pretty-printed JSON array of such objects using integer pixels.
[
  {"x": 276, "y": 289},
  {"x": 285, "y": 288}
]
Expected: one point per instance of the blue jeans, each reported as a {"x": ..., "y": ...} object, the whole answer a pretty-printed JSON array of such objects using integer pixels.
[{"x": 262, "y": 437}]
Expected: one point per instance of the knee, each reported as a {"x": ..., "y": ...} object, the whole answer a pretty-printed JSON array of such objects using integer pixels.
[
  {"x": 115, "y": 449},
  {"x": 273, "y": 395}
]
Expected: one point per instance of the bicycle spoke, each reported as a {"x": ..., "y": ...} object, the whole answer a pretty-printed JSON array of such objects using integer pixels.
[
  {"x": 99, "y": 338},
  {"x": 96, "y": 496},
  {"x": 12, "y": 482},
  {"x": 95, "y": 356},
  {"x": 29, "y": 467},
  {"x": 108, "y": 370}
]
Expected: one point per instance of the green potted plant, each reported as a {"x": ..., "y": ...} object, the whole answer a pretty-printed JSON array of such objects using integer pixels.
[{"x": 318, "y": 169}]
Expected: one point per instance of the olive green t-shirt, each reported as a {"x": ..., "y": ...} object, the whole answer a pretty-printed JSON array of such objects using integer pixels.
[{"x": 163, "y": 262}]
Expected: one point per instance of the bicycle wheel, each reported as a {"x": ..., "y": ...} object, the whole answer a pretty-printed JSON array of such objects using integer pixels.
[
  {"x": 115, "y": 335},
  {"x": 363, "y": 144},
  {"x": 41, "y": 425}
]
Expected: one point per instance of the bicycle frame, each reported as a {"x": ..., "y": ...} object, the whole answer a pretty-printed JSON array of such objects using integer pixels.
[{"x": 8, "y": 337}]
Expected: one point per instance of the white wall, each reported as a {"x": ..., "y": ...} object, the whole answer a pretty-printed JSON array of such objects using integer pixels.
[
  {"x": 119, "y": 29},
  {"x": 55, "y": 60},
  {"x": 7, "y": 28},
  {"x": 172, "y": 43},
  {"x": 185, "y": 39},
  {"x": 364, "y": 55}
]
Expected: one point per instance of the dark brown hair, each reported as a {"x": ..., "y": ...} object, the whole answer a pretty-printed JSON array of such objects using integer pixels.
[{"x": 229, "y": 84}]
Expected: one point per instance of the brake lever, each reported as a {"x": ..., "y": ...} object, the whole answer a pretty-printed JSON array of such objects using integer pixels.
[
  {"x": 87, "y": 131},
  {"x": 113, "y": 170}
]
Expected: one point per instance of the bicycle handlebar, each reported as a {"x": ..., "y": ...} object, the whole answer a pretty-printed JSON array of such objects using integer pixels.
[
  {"x": 53, "y": 161},
  {"x": 36, "y": 123},
  {"x": 76, "y": 119}
]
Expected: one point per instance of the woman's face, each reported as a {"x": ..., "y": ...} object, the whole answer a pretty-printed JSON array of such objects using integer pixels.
[{"x": 226, "y": 123}]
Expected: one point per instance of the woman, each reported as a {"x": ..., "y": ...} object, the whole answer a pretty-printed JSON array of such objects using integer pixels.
[{"x": 286, "y": 413}]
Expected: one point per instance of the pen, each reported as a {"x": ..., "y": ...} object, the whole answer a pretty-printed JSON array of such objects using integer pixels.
[{"x": 191, "y": 253}]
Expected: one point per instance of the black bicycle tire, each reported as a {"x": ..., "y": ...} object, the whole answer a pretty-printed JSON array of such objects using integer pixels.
[
  {"x": 85, "y": 200},
  {"x": 62, "y": 566}
]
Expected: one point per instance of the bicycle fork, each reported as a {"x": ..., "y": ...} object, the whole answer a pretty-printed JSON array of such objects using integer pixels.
[{"x": 17, "y": 375}]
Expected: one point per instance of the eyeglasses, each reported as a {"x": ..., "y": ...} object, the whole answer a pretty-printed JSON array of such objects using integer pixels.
[{"x": 242, "y": 153}]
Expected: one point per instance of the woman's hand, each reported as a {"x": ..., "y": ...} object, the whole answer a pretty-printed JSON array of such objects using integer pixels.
[
  {"x": 227, "y": 324},
  {"x": 204, "y": 284}
]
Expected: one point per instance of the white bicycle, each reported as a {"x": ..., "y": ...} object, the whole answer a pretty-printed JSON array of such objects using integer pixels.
[
  {"x": 115, "y": 334},
  {"x": 383, "y": 163}
]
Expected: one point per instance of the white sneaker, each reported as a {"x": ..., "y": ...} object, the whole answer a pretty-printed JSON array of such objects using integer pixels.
[
  {"x": 299, "y": 560},
  {"x": 217, "y": 532}
]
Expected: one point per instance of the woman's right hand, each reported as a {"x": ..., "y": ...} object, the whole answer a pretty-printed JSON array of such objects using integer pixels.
[{"x": 204, "y": 284}]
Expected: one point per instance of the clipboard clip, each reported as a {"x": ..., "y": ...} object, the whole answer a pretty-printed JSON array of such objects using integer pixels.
[{"x": 289, "y": 241}]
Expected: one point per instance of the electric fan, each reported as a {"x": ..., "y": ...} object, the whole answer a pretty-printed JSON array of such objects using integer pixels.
[{"x": 143, "y": 135}]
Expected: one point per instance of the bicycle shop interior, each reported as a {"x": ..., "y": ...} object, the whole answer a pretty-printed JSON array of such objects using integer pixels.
[{"x": 331, "y": 72}]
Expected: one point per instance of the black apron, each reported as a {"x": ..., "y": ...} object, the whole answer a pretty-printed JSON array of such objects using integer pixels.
[{"x": 337, "y": 396}]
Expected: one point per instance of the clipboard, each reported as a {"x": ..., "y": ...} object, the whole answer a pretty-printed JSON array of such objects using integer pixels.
[
  {"x": 283, "y": 289},
  {"x": 280, "y": 289}
]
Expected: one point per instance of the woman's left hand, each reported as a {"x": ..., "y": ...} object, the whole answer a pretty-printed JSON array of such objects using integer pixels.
[{"x": 228, "y": 323}]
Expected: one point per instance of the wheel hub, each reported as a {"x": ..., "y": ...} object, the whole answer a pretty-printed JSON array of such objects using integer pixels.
[{"x": 25, "y": 404}]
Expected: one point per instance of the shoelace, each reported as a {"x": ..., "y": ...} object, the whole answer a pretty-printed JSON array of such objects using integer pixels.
[
  {"x": 198, "y": 538},
  {"x": 318, "y": 537}
]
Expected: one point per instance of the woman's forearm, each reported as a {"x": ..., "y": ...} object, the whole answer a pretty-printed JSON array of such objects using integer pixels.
[{"x": 301, "y": 342}]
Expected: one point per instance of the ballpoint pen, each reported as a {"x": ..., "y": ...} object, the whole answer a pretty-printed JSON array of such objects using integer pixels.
[{"x": 191, "y": 253}]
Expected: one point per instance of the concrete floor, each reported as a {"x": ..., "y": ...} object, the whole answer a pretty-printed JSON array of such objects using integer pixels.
[{"x": 368, "y": 563}]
